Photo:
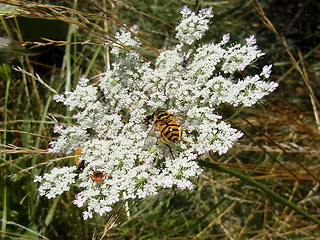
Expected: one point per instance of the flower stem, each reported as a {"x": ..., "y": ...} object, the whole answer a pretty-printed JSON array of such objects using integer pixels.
[
  {"x": 247, "y": 179},
  {"x": 234, "y": 114}
]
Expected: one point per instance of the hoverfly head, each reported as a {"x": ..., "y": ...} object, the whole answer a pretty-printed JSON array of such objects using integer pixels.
[{"x": 160, "y": 114}]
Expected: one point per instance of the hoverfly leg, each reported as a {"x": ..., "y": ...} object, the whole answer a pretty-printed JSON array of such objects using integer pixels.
[
  {"x": 170, "y": 151},
  {"x": 166, "y": 144},
  {"x": 180, "y": 133}
]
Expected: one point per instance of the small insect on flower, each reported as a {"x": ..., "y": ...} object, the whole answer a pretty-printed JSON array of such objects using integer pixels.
[
  {"x": 166, "y": 123},
  {"x": 98, "y": 176}
]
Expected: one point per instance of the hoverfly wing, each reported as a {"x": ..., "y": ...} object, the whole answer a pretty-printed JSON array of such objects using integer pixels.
[{"x": 150, "y": 139}]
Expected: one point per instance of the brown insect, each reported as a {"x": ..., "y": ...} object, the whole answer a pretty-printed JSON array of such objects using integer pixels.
[{"x": 98, "y": 176}]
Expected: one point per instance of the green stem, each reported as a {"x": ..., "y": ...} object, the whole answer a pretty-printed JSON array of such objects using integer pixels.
[
  {"x": 51, "y": 212},
  {"x": 234, "y": 114},
  {"x": 3, "y": 171},
  {"x": 68, "y": 57},
  {"x": 247, "y": 179},
  {"x": 91, "y": 63}
]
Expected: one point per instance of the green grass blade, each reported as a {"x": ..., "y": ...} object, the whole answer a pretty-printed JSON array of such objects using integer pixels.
[
  {"x": 92, "y": 61},
  {"x": 5, "y": 69},
  {"x": 51, "y": 212}
]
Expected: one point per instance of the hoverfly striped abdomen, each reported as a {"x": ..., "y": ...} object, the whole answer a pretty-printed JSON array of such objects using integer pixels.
[
  {"x": 170, "y": 131},
  {"x": 167, "y": 125}
]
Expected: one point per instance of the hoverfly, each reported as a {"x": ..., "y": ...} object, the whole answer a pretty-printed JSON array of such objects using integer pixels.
[
  {"x": 167, "y": 124},
  {"x": 98, "y": 176},
  {"x": 170, "y": 130}
]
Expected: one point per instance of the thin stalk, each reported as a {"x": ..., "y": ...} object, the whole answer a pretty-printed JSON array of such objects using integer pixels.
[
  {"x": 6, "y": 27},
  {"x": 247, "y": 179},
  {"x": 68, "y": 59},
  {"x": 234, "y": 114},
  {"x": 6, "y": 105},
  {"x": 38, "y": 139},
  {"x": 51, "y": 211},
  {"x": 92, "y": 61},
  {"x": 4, "y": 211},
  {"x": 68, "y": 69}
]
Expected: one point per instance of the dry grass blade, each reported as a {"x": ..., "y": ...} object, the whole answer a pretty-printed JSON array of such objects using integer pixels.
[
  {"x": 47, "y": 163},
  {"x": 29, "y": 133},
  {"x": 37, "y": 77},
  {"x": 10, "y": 163},
  {"x": 307, "y": 82},
  {"x": 11, "y": 149},
  {"x": 113, "y": 219},
  {"x": 50, "y": 42}
]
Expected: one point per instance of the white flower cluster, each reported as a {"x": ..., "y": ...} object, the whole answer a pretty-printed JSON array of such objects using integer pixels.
[
  {"x": 57, "y": 181},
  {"x": 69, "y": 139},
  {"x": 193, "y": 26},
  {"x": 124, "y": 38},
  {"x": 122, "y": 153}
]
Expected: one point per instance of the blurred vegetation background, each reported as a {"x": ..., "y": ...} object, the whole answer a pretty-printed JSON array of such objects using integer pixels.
[{"x": 45, "y": 46}]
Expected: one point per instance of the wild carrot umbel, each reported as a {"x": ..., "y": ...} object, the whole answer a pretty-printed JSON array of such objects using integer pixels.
[{"x": 189, "y": 80}]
